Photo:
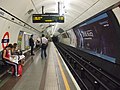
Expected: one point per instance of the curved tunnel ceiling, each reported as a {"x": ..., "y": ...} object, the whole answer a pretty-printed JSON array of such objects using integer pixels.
[{"x": 73, "y": 9}]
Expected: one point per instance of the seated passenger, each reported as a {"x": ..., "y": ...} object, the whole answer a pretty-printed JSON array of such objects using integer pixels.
[
  {"x": 14, "y": 50},
  {"x": 6, "y": 57},
  {"x": 18, "y": 54}
]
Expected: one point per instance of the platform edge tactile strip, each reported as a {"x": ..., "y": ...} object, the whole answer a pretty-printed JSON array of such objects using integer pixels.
[{"x": 51, "y": 78}]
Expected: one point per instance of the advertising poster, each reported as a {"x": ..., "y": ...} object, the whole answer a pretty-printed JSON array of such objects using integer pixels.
[
  {"x": 20, "y": 39},
  {"x": 98, "y": 35},
  {"x": 26, "y": 41}
]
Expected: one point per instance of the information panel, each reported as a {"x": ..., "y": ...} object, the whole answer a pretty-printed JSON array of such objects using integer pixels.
[{"x": 38, "y": 18}]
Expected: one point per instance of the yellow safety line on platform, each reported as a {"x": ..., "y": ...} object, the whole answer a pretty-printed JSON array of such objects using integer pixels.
[{"x": 63, "y": 75}]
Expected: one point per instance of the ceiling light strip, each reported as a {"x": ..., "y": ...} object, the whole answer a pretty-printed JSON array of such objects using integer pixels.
[{"x": 82, "y": 13}]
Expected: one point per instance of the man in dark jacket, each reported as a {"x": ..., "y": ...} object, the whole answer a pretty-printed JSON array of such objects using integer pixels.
[{"x": 31, "y": 43}]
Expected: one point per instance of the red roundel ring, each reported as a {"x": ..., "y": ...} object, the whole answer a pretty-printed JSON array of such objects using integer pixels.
[{"x": 7, "y": 40}]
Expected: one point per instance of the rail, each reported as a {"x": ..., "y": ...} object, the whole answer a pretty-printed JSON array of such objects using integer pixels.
[{"x": 85, "y": 72}]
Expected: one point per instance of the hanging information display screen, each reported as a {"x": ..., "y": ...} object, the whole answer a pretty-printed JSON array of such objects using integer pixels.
[{"x": 38, "y": 18}]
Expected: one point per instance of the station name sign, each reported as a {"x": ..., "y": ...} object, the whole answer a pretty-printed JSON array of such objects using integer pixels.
[{"x": 39, "y": 18}]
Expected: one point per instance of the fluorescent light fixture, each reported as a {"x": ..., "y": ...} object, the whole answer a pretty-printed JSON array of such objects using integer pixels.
[
  {"x": 27, "y": 33},
  {"x": 62, "y": 10},
  {"x": 67, "y": 3}
]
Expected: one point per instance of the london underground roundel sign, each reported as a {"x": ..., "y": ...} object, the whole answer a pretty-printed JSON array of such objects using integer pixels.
[{"x": 5, "y": 40}]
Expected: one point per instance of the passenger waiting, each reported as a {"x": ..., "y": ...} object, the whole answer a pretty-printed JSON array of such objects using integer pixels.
[
  {"x": 31, "y": 43},
  {"x": 15, "y": 49},
  {"x": 37, "y": 44},
  {"x": 6, "y": 57},
  {"x": 44, "y": 44},
  {"x": 18, "y": 53}
]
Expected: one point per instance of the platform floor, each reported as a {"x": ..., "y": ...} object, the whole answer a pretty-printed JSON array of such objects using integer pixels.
[{"x": 42, "y": 74}]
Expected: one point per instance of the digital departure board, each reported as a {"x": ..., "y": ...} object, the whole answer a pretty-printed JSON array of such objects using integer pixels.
[{"x": 38, "y": 18}]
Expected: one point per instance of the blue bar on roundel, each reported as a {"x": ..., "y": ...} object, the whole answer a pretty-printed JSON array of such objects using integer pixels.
[{"x": 5, "y": 40}]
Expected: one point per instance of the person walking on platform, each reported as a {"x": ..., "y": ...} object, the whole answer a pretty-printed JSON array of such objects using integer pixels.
[
  {"x": 44, "y": 44},
  {"x": 31, "y": 43}
]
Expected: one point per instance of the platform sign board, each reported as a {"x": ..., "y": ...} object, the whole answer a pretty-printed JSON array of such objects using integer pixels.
[{"x": 38, "y": 18}]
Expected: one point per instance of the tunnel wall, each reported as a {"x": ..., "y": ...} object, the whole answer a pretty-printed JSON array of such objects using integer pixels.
[
  {"x": 12, "y": 26},
  {"x": 110, "y": 31}
]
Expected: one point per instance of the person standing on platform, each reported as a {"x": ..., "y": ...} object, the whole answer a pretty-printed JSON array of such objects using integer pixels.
[
  {"x": 44, "y": 44},
  {"x": 31, "y": 43}
]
